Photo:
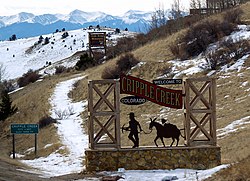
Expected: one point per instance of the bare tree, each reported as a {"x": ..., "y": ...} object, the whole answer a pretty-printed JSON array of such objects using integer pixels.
[
  {"x": 154, "y": 21},
  {"x": 202, "y": 3},
  {"x": 193, "y": 4},
  {"x": 158, "y": 18},
  {"x": 198, "y": 4},
  {"x": 175, "y": 10}
]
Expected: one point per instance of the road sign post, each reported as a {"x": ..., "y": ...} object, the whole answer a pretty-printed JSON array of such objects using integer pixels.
[
  {"x": 24, "y": 129},
  {"x": 13, "y": 146}
]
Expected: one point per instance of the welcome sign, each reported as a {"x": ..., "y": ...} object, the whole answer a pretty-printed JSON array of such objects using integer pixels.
[
  {"x": 97, "y": 39},
  {"x": 159, "y": 95}
]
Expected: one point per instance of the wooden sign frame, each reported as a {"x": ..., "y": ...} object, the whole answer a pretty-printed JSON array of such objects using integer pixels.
[
  {"x": 112, "y": 116},
  {"x": 204, "y": 118}
]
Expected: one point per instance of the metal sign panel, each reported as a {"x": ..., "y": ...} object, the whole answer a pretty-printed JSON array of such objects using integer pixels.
[
  {"x": 97, "y": 39},
  {"x": 167, "y": 81},
  {"x": 133, "y": 100},
  {"x": 159, "y": 95},
  {"x": 24, "y": 128}
]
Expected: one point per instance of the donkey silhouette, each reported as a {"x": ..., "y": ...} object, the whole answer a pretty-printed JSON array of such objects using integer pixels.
[{"x": 166, "y": 131}]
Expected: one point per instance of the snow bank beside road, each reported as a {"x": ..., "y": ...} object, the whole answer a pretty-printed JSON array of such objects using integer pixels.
[{"x": 161, "y": 175}]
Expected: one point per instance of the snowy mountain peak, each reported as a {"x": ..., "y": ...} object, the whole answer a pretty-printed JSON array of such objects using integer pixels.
[
  {"x": 48, "y": 23},
  {"x": 45, "y": 19},
  {"x": 137, "y": 15},
  {"x": 133, "y": 16},
  {"x": 76, "y": 11},
  {"x": 135, "y": 12},
  {"x": 23, "y": 16},
  {"x": 76, "y": 16}
]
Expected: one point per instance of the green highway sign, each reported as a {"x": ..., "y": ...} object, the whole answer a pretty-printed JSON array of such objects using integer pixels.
[{"x": 24, "y": 128}]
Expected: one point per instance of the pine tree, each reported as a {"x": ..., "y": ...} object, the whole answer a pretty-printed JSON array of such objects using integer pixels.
[
  {"x": 65, "y": 34},
  {"x": 6, "y": 108},
  {"x": 40, "y": 39},
  {"x": 13, "y": 38},
  {"x": 46, "y": 41}
]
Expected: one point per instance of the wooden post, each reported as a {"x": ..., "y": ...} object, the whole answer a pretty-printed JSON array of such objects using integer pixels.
[
  {"x": 213, "y": 97},
  {"x": 35, "y": 144},
  {"x": 117, "y": 107},
  {"x": 13, "y": 144},
  {"x": 90, "y": 122},
  {"x": 187, "y": 118}
]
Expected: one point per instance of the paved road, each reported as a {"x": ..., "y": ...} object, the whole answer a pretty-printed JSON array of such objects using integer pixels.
[{"x": 10, "y": 172}]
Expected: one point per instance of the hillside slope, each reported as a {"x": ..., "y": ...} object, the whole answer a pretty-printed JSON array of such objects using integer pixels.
[{"x": 17, "y": 57}]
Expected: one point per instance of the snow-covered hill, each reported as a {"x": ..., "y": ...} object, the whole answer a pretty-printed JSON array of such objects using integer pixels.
[{"x": 17, "y": 57}]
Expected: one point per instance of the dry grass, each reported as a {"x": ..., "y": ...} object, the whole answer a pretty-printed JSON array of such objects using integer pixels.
[
  {"x": 246, "y": 15},
  {"x": 233, "y": 104},
  {"x": 157, "y": 50},
  {"x": 236, "y": 172}
]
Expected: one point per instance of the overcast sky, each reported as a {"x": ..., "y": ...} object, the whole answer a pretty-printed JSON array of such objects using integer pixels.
[{"x": 113, "y": 7}]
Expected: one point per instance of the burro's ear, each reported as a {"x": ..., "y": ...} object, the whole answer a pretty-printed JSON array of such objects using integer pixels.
[
  {"x": 151, "y": 120},
  {"x": 154, "y": 119}
]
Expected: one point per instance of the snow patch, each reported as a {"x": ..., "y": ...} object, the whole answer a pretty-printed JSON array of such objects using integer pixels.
[
  {"x": 157, "y": 175},
  {"x": 233, "y": 127},
  {"x": 70, "y": 132}
]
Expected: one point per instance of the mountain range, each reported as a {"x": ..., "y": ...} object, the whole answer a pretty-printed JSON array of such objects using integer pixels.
[{"x": 18, "y": 24}]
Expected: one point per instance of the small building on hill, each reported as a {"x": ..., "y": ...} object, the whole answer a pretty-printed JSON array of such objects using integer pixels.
[{"x": 213, "y": 6}]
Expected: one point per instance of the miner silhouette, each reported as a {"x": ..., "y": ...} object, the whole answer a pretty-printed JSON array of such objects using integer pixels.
[{"x": 133, "y": 128}]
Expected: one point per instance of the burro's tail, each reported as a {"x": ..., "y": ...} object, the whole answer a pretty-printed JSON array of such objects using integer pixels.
[{"x": 181, "y": 134}]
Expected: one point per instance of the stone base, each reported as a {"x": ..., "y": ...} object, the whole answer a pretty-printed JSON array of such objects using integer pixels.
[{"x": 148, "y": 158}]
